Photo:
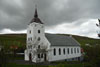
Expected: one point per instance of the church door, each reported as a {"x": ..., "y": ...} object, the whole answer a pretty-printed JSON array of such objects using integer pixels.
[
  {"x": 30, "y": 57},
  {"x": 45, "y": 57}
]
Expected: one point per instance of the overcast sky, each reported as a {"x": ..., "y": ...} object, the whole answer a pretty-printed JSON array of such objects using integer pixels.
[{"x": 76, "y": 17}]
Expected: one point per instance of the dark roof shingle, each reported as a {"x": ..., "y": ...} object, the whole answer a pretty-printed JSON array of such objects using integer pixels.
[{"x": 61, "y": 40}]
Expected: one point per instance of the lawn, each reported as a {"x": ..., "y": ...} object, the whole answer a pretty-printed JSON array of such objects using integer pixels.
[{"x": 57, "y": 65}]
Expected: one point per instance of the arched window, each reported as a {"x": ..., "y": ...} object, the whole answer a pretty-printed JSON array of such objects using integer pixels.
[
  {"x": 64, "y": 50},
  {"x": 77, "y": 50},
  {"x": 30, "y": 31},
  {"x": 68, "y": 50},
  {"x": 54, "y": 51},
  {"x": 59, "y": 51},
  {"x": 31, "y": 38},
  {"x": 38, "y": 38},
  {"x": 39, "y": 47},
  {"x": 42, "y": 55},
  {"x": 38, "y": 31},
  {"x": 38, "y": 55},
  {"x": 74, "y": 50},
  {"x": 71, "y": 50}
]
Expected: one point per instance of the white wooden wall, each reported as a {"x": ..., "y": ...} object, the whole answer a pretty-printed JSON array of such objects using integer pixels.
[{"x": 62, "y": 56}]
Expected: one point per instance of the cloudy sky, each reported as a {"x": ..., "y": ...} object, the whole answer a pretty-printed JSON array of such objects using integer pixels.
[{"x": 76, "y": 17}]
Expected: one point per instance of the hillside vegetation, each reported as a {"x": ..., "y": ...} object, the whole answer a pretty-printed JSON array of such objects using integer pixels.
[
  {"x": 84, "y": 40},
  {"x": 8, "y": 40},
  {"x": 20, "y": 40}
]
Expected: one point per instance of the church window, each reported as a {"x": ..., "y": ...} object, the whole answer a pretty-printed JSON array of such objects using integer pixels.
[
  {"x": 68, "y": 50},
  {"x": 38, "y": 31},
  {"x": 42, "y": 55},
  {"x": 54, "y": 51},
  {"x": 30, "y": 31},
  {"x": 30, "y": 46},
  {"x": 28, "y": 39},
  {"x": 75, "y": 50},
  {"x": 39, "y": 47},
  {"x": 38, "y": 55},
  {"x": 71, "y": 50},
  {"x": 59, "y": 51},
  {"x": 31, "y": 38},
  {"x": 38, "y": 38},
  {"x": 64, "y": 51}
]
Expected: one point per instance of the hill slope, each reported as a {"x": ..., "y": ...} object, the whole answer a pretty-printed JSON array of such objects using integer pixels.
[
  {"x": 84, "y": 40},
  {"x": 20, "y": 40}
]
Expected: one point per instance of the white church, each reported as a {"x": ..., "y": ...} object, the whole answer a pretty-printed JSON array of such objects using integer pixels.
[{"x": 43, "y": 47}]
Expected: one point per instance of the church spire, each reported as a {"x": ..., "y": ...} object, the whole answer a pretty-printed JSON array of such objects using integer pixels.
[
  {"x": 36, "y": 19},
  {"x": 36, "y": 14}
]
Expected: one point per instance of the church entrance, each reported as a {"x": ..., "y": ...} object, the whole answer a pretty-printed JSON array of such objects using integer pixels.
[
  {"x": 45, "y": 57},
  {"x": 30, "y": 57}
]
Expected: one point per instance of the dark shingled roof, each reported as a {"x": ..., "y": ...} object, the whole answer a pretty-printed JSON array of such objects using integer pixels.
[
  {"x": 36, "y": 19},
  {"x": 61, "y": 40}
]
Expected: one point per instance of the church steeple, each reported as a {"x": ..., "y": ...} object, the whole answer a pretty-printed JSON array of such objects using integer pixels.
[
  {"x": 36, "y": 19},
  {"x": 36, "y": 14}
]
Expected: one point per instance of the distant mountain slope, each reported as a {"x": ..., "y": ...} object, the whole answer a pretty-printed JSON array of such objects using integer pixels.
[{"x": 20, "y": 40}]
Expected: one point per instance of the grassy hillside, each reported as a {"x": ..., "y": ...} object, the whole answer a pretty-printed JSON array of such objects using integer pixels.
[
  {"x": 20, "y": 40},
  {"x": 8, "y": 40},
  {"x": 84, "y": 40}
]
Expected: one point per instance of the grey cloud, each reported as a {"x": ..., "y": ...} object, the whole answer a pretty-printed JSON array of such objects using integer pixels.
[{"x": 17, "y": 17}]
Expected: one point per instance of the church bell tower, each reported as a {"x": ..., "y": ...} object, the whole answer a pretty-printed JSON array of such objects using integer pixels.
[{"x": 36, "y": 40}]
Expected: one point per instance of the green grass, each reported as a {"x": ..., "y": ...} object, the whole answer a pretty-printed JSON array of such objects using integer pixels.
[
  {"x": 8, "y": 40},
  {"x": 57, "y": 65},
  {"x": 20, "y": 40},
  {"x": 84, "y": 40},
  {"x": 16, "y": 65}
]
